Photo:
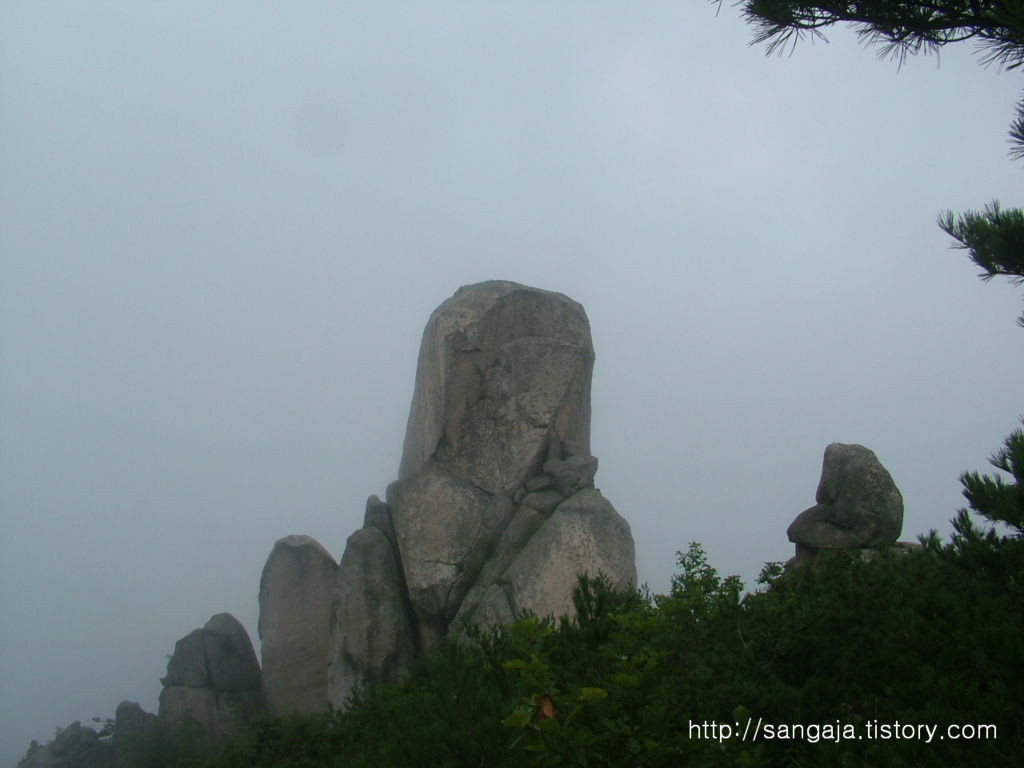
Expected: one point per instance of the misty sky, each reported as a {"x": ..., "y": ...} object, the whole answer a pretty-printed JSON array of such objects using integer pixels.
[{"x": 223, "y": 227}]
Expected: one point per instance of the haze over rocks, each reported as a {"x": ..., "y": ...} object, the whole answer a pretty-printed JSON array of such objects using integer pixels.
[{"x": 494, "y": 513}]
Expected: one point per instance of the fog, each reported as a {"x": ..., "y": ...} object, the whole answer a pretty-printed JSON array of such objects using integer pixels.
[{"x": 224, "y": 226}]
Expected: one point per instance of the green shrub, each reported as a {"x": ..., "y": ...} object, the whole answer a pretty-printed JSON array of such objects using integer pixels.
[{"x": 918, "y": 638}]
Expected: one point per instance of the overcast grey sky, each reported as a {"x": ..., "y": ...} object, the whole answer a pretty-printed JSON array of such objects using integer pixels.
[{"x": 224, "y": 226}]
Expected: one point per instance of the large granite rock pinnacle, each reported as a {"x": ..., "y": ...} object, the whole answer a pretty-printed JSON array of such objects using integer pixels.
[
  {"x": 494, "y": 511},
  {"x": 213, "y": 679},
  {"x": 857, "y": 504},
  {"x": 502, "y": 369},
  {"x": 296, "y": 592},
  {"x": 498, "y": 438}
]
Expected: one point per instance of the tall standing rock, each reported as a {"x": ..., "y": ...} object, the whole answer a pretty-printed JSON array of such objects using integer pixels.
[
  {"x": 296, "y": 592},
  {"x": 213, "y": 680},
  {"x": 498, "y": 438},
  {"x": 502, "y": 369},
  {"x": 371, "y": 636},
  {"x": 494, "y": 510}
]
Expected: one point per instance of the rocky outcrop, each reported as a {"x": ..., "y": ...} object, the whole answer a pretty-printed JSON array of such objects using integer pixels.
[
  {"x": 858, "y": 504},
  {"x": 525, "y": 522},
  {"x": 498, "y": 439},
  {"x": 76, "y": 746},
  {"x": 371, "y": 635},
  {"x": 585, "y": 534},
  {"x": 130, "y": 720},
  {"x": 79, "y": 746},
  {"x": 129, "y": 717},
  {"x": 494, "y": 511},
  {"x": 502, "y": 369},
  {"x": 296, "y": 593},
  {"x": 212, "y": 681},
  {"x": 445, "y": 528}
]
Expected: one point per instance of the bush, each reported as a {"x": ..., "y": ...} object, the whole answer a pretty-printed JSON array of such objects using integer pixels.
[
  {"x": 447, "y": 714},
  {"x": 918, "y": 638}
]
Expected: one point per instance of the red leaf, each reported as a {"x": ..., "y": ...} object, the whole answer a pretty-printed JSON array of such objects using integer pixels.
[{"x": 547, "y": 711}]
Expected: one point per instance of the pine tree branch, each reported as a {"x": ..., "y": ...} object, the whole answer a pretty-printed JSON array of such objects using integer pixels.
[
  {"x": 901, "y": 27},
  {"x": 993, "y": 239},
  {"x": 995, "y": 499},
  {"x": 1017, "y": 133}
]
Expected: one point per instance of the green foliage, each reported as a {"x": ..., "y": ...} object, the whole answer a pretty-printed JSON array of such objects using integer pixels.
[
  {"x": 901, "y": 27},
  {"x": 603, "y": 690},
  {"x": 984, "y": 550},
  {"x": 285, "y": 743},
  {"x": 33, "y": 747},
  {"x": 908, "y": 637},
  {"x": 929, "y": 636},
  {"x": 106, "y": 727},
  {"x": 993, "y": 238},
  {"x": 918, "y": 637},
  {"x": 993, "y": 498},
  {"x": 447, "y": 714}
]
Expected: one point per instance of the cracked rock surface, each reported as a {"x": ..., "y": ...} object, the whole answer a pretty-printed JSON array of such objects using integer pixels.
[
  {"x": 371, "y": 639},
  {"x": 494, "y": 510},
  {"x": 586, "y": 534},
  {"x": 502, "y": 369},
  {"x": 445, "y": 528},
  {"x": 214, "y": 677}
]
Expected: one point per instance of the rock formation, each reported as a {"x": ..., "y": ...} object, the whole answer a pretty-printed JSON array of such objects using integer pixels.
[
  {"x": 502, "y": 369},
  {"x": 371, "y": 636},
  {"x": 76, "y": 746},
  {"x": 445, "y": 527},
  {"x": 79, "y": 746},
  {"x": 858, "y": 504},
  {"x": 131, "y": 719},
  {"x": 296, "y": 592},
  {"x": 584, "y": 533},
  {"x": 494, "y": 511},
  {"x": 213, "y": 678}
]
